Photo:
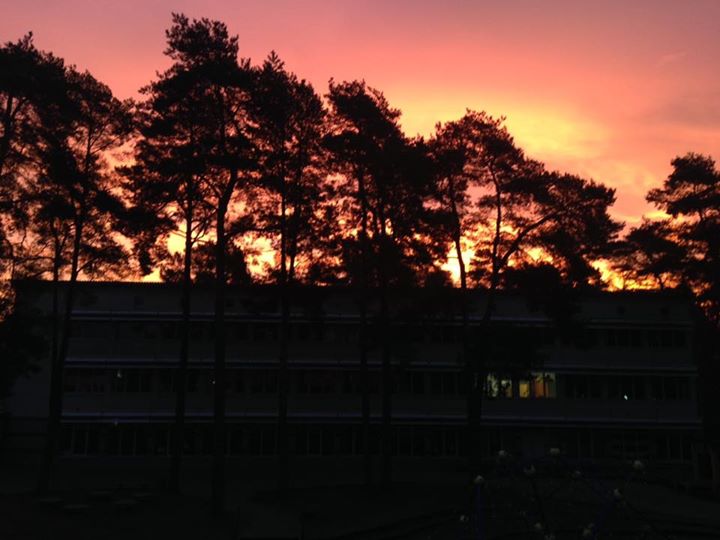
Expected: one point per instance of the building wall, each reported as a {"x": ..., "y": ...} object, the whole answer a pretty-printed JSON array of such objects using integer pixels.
[{"x": 624, "y": 386}]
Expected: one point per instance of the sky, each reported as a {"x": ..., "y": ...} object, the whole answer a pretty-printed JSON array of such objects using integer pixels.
[{"x": 609, "y": 90}]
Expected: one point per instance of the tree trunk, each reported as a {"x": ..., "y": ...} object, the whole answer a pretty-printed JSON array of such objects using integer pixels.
[
  {"x": 283, "y": 386},
  {"x": 473, "y": 415},
  {"x": 44, "y": 480},
  {"x": 178, "y": 439},
  {"x": 364, "y": 341},
  {"x": 219, "y": 433},
  {"x": 58, "y": 361},
  {"x": 387, "y": 375},
  {"x": 478, "y": 362},
  {"x": 7, "y": 134}
]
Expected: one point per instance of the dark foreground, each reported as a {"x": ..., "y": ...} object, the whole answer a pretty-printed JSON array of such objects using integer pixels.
[{"x": 544, "y": 504}]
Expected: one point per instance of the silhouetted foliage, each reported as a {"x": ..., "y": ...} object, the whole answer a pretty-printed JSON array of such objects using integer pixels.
[
  {"x": 217, "y": 87},
  {"x": 691, "y": 196},
  {"x": 683, "y": 251},
  {"x": 384, "y": 185},
  {"x": 29, "y": 80},
  {"x": 203, "y": 257},
  {"x": 649, "y": 253},
  {"x": 78, "y": 213}
]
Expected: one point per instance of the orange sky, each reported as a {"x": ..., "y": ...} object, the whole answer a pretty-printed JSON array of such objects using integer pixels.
[{"x": 611, "y": 90}]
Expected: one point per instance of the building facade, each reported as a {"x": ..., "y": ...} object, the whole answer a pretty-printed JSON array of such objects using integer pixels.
[{"x": 621, "y": 385}]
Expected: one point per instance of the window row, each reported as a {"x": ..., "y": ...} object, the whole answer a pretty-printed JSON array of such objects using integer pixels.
[
  {"x": 301, "y": 332},
  {"x": 347, "y": 440},
  {"x": 627, "y": 387},
  {"x": 258, "y": 440},
  {"x": 626, "y": 445},
  {"x": 653, "y": 338},
  {"x": 350, "y": 333},
  {"x": 258, "y": 381},
  {"x": 533, "y": 385}
]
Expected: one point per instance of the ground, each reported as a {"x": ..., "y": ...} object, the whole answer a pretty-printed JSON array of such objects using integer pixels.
[{"x": 514, "y": 500}]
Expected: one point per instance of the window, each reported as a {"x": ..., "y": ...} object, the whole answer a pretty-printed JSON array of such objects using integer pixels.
[
  {"x": 84, "y": 380},
  {"x": 614, "y": 387},
  {"x": 435, "y": 383},
  {"x": 583, "y": 386},
  {"x": 193, "y": 378},
  {"x": 315, "y": 382},
  {"x": 302, "y": 332},
  {"x": 196, "y": 331},
  {"x": 656, "y": 388},
  {"x": 239, "y": 331},
  {"x": 260, "y": 382},
  {"x": 314, "y": 440},
  {"x": 161, "y": 438},
  {"x": 639, "y": 387},
  {"x": 544, "y": 385},
  {"x": 450, "y": 383},
  {"x": 238, "y": 382},
  {"x": 168, "y": 330},
  {"x": 524, "y": 388},
  {"x": 237, "y": 440},
  {"x": 166, "y": 380},
  {"x": 128, "y": 440},
  {"x": 132, "y": 380},
  {"x": 418, "y": 383},
  {"x": 595, "y": 388},
  {"x": 451, "y": 442},
  {"x": 337, "y": 440},
  {"x": 627, "y": 387},
  {"x": 404, "y": 441},
  {"x": 498, "y": 387},
  {"x": 265, "y": 332},
  {"x": 676, "y": 388},
  {"x": 351, "y": 382}
]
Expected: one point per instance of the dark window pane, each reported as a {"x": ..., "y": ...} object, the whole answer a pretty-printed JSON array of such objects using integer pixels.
[{"x": 418, "y": 382}]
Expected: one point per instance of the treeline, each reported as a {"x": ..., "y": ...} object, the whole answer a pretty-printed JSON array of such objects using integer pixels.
[{"x": 240, "y": 160}]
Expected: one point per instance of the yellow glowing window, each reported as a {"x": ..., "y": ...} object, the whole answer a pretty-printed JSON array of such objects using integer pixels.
[
  {"x": 544, "y": 385},
  {"x": 524, "y": 389}
]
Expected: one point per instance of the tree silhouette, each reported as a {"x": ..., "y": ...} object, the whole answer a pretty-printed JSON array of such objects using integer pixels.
[
  {"x": 290, "y": 118},
  {"x": 218, "y": 87},
  {"x": 691, "y": 196},
  {"x": 649, "y": 255},
  {"x": 505, "y": 205},
  {"x": 27, "y": 78},
  {"x": 168, "y": 183},
  {"x": 76, "y": 208},
  {"x": 383, "y": 192},
  {"x": 345, "y": 141},
  {"x": 688, "y": 245},
  {"x": 25, "y": 74}
]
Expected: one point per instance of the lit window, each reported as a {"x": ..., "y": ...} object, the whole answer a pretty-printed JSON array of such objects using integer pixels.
[
  {"x": 544, "y": 385},
  {"x": 498, "y": 387}
]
